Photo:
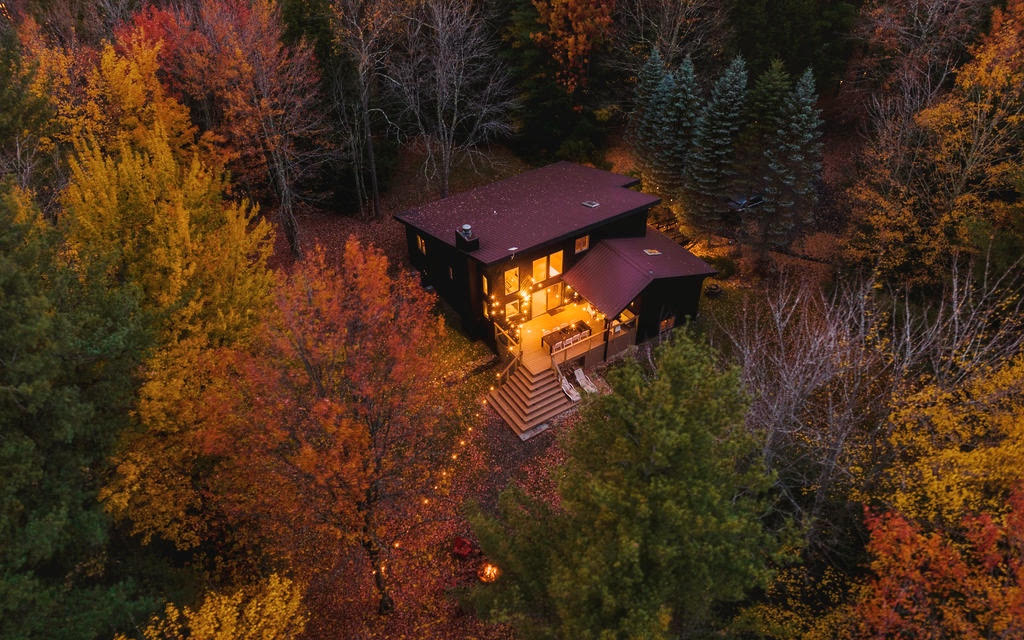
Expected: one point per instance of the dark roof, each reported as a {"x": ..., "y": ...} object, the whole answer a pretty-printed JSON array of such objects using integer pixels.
[
  {"x": 530, "y": 209},
  {"x": 615, "y": 271}
]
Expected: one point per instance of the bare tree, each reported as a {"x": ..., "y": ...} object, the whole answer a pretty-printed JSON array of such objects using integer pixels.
[
  {"x": 823, "y": 373},
  {"x": 454, "y": 94},
  {"x": 264, "y": 97},
  {"x": 364, "y": 30},
  {"x": 676, "y": 28}
]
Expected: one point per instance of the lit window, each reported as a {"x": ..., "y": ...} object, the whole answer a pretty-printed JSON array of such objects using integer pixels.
[
  {"x": 512, "y": 309},
  {"x": 511, "y": 280},
  {"x": 667, "y": 323},
  {"x": 483, "y": 279},
  {"x": 451, "y": 273},
  {"x": 487, "y": 309},
  {"x": 540, "y": 268},
  {"x": 421, "y": 244},
  {"x": 555, "y": 264},
  {"x": 582, "y": 244}
]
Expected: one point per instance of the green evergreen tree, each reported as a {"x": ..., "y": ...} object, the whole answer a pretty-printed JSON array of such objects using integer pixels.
[
  {"x": 659, "y": 119},
  {"x": 68, "y": 349},
  {"x": 675, "y": 108},
  {"x": 659, "y": 515},
  {"x": 642, "y": 124},
  {"x": 647, "y": 80},
  {"x": 793, "y": 154},
  {"x": 711, "y": 176},
  {"x": 765, "y": 107}
]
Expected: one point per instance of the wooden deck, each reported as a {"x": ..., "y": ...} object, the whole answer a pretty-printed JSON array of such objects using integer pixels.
[{"x": 536, "y": 357}]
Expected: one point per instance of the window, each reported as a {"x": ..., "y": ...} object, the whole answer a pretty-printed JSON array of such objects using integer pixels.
[
  {"x": 451, "y": 273},
  {"x": 483, "y": 280},
  {"x": 547, "y": 267},
  {"x": 511, "y": 280},
  {"x": 421, "y": 244},
  {"x": 540, "y": 269},
  {"x": 512, "y": 309},
  {"x": 487, "y": 309},
  {"x": 667, "y": 324},
  {"x": 555, "y": 264},
  {"x": 582, "y": 243}
]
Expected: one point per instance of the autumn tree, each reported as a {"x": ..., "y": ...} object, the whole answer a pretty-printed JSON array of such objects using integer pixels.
[
  {"x": 260, "y": 97},
  {"x": 199, "y": 261},
  {"x": 934, "y": 585},
  {"x": 658, "y": 516},
  {"x": 573, "y": 29},
  {"x": 454, "y": 93},
  {"x": 272, "y": 608},
  {"x": 70, "y": 344},
  {"x": 25, "y": 117},
  {"x": 950, "y": 169},
  {"x": 329, "y": 429}
]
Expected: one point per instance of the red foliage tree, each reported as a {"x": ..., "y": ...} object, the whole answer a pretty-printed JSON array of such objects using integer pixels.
[
  {"x": 331, "y": 427},
  {"x": 258, "y": 95},
  {"x": 928, "y": 585}
]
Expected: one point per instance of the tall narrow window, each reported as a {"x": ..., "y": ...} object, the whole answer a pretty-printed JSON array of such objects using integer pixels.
[
  {"x": 540, "y": 268},
  {"x": 451, "y": 273},
  {"x": 483, "y": 281},
  {"x": 487, "y": 309},
  {"x": 582, "y": 243},
  {"x": 421, "y": 244},
  {"x": 555, "y": 264},
  {"x": 511, "y": 280}
]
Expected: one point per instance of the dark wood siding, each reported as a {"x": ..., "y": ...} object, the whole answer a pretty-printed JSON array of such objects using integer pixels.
[{"x": 678, "y": 298}]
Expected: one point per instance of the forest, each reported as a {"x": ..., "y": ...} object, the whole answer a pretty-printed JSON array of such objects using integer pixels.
[{"x": 229, "y": 408}]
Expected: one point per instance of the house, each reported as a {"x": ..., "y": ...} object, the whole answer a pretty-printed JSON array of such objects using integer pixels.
[{"x": 553, "y": 265}]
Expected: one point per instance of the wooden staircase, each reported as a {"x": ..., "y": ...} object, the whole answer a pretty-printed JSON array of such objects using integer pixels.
[{"x": 528, "y": 399}]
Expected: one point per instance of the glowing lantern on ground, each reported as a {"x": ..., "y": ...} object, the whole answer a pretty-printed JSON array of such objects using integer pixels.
[{"x": 488, "y": 572}]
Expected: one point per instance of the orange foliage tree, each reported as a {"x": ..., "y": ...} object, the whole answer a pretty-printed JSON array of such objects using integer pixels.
[
  {"x": 331, "y": 427},
  {"x": 573, "y": 29},
  {"x": 927, "y": 585},
  {"x": 258, "y": 95}
]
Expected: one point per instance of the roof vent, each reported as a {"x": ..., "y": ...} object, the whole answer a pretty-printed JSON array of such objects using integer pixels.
[
  {"x": 466, "y": 240},
  {"x": 652, "y": 252},
  {"x": 593, "y": 204}
]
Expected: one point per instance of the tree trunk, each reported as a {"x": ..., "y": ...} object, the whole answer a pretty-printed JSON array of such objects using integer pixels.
[
  {"x": 371, "y": 158},
  {"x": 373, "y": 552}
]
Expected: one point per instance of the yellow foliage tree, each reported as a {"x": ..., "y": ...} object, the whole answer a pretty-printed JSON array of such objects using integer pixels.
[
  {"x": 959, "y": 450},
  {"x": 272, "y": 610},
  {"x": 200, "y": 262},
  {"x": 944, "y": 173},
  {"x": 111, "y": 96}
]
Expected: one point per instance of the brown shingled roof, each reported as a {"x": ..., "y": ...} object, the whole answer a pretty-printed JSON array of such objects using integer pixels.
[
  {"x": 615, "y": 271},
  {"x": 530, "y": 209}
]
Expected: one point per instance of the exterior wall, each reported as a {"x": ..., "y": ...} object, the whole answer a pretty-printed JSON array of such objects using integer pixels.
[
  {"x": 462, "y": 288},
  {"x": 678, "y": 298}
]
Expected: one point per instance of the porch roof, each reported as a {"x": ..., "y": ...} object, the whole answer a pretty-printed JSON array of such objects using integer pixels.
[{"x": 617, "y": 270}]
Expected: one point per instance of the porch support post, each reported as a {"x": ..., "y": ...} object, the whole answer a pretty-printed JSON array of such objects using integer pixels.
[{"x": 606, "y": 336}]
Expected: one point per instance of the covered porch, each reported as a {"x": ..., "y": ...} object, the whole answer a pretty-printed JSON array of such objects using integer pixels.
[{"x": 576, "y": 330}]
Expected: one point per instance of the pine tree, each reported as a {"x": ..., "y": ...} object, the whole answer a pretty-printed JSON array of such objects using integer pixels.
[
  {"x": 659, "y": 514},
  {"x": 648, "y": 79},
  {"x": 69, "y": 345},
  {"x": 659, "y": 121},
  {"x": 794, "y": 155},
  {"x": 711, "y": 169},
  {"x": 675, "y": 108}
]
